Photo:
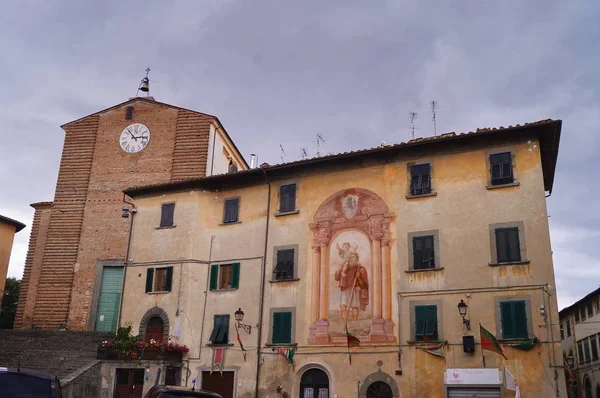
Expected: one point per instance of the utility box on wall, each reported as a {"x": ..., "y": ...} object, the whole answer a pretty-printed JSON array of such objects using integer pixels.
[{"x": 469, "y": 344}]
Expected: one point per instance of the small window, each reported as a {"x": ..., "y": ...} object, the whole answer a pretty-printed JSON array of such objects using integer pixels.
[
  {"x": 580, "y": 352},
  {"x": 568, "y": 328},
  {"x": 594, "y": 345},
  {"x": 577, "y": 316},
  {"x": 420, "y": 179},
  {"x": 501, "y": 168},
  {"x": 423, "y": 252},
  {"x": 562, "y": 332},
  {"x": 232, "y": 168},
  {"x": 284, "y": 269},
  {"x": 514, "y": 320},
  {"x": 231, "y": 210},
  {"x": 224, "y": 276},
  {"x": 166, "y": 215},
  {"x": 597, "y": 301},
  {"x": 426, "y": 328},
  {"x": 129, "y": 113},
  {"x": 159, "y": 279},
  {"x": 590, "y": 309},
  {"x": 583, "y": 317},
  {"x": 508, "y": 248},
  {"x": 287, "y": 198},
  {"x": 586, "y": 350},
  {"x": 220, "y": 332},
  {"x": 282, "y": 328}
]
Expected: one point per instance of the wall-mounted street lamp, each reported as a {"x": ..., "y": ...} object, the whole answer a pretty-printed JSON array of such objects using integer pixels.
[
  {"x": 571, "y": 360},
  {"x": 462, "y": 310},
  {"x": 239, "y": 317}
]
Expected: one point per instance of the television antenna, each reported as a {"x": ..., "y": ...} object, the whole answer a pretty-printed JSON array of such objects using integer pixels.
[
  {"x": 320, "y": 141},
  {"x": 433, "y": 110},
  {"x": 304, "y": 153},
  {"x": 413, "y": 116},
  {"x": 283, "y": 155}
]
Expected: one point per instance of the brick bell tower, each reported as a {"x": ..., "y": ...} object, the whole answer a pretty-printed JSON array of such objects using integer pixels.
[{"x": 138, "y": 142}]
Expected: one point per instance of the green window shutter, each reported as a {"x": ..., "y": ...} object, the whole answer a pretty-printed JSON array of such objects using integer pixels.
[
  {"x": 425, "y": 321},
  {"x": 169, "y": 281},
  {"x": 236, "y": 275},
  {"x": 214, "y": 276},
  {"x": 282, "y": 327},
  {"x": 216, "y": 326},
  {"x": 520, "y": 315},
  {"x": 149, "y": 279},
  {"x": 507, "y": 320}
]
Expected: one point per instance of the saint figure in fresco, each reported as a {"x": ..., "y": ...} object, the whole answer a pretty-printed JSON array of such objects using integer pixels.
[
  {"x": 354, "y": 286},
  {"x": 344, "y": 253}
]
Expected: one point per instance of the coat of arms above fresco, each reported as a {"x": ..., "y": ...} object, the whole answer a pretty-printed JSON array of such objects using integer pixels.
[{"x": 351, "y": 270}]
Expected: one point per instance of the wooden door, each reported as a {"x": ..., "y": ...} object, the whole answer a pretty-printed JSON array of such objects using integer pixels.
[
  {"x": 130, "y": 383},
  {"x": 221, "y": 384},
  {"x": 155, "y": 329}
]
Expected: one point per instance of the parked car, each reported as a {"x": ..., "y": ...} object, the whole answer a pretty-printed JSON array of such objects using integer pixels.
[
  {"x": 179, "y": 392},
  {"x": 24, "y": 383}
]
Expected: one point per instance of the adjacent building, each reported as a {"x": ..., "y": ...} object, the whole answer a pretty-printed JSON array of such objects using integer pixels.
[
  {"x": 8, "y": 229},
  {"x": 383, "y": 245},
  {"x": 580, "y": 335}
]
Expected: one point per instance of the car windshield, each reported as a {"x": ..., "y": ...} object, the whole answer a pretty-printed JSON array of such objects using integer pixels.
[{"x": 24, "y": 386}]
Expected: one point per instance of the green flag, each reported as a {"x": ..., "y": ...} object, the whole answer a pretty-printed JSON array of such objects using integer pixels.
[
  {"x": 489, "y": 342},
  {"x": 437, "y": 349},
  {"x": 524, "y": 345}
]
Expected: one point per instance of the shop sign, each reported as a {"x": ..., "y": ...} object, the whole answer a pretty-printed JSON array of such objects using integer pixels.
[{"x": 473, "y": 376}]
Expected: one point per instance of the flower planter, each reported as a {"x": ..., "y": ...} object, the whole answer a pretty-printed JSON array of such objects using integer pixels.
[
  {"x": 173, "y": 356},
  {"x": 151, "y": 354},
  {"x": 134, "y": 355}
]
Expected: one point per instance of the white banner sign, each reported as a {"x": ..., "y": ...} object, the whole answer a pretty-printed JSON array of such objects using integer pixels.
[{"x": 472, "y": 376}]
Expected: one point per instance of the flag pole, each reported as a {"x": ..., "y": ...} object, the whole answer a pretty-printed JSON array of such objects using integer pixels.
[
  {"x": 481, "y": 340},
  {"x": 348, "y": 345}
]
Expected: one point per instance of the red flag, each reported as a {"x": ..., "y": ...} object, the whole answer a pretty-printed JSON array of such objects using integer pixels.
[
  {"x": 489, "y": 342},
  {"x": 244, "y": 353},
  {"x": 218, "y": 357}
]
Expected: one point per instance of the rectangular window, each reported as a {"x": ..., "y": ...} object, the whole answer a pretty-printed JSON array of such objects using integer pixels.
[
  {"x": 166, "y": 216},
  {"x": 220, "y": 332},
  {"x": 159, "y": 279},
  {"x": 590, "y": 309},
  {"x": 577, "y": 316},
  {"x": 508, "y": 248},
  {"x": 282, "y": 328},
  {"x": 231, "y": 210},
  {"x": 420, "y": 179},
  {"x": 514, "y": 320},
  {"x": 568, "y": 328},
  {"x": 501, "y": 168},
  {"x": 562, "y": 332},
  {"x": 597, "y": 301},
  {"x": 583, "y": 317},
  {"x": 423, "y": 252},
  {"x": 287, "y": 198},
  {"x": 224, "y": 276},
  {"x": 426, "y": 328},
  {"x": 594, "y": 348},
  {"x": 284, "y": 269},
  {"x": 586, "y": 350},
  {"x": 129, "y": 113},
  {"x": 580, "y": 352}
]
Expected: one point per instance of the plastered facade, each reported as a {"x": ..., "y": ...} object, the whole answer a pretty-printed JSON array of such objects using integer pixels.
[{"x": 377, "y": 219}]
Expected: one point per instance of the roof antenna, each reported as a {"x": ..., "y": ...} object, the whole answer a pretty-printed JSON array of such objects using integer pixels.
[
  {"x": 413, "y": 116},
  {"x": 283, "y": 155},
  {"x": 433, "y": 105},
  {"x": 304, "y": 153},
  {"x": 319, "y": 141},
  {"x": 144, "y": 85}
]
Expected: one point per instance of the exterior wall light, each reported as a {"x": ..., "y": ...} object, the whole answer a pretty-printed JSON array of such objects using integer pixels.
[
  {"x": 462, "y": 310},
  {"x": 239, "y": 317}
]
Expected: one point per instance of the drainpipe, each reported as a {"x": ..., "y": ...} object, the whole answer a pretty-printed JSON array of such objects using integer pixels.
[
  {"x": 549, "y": 326},
  {"x": 133, "y": 211},
  {"x": 205, "y": 295},
  {"x": 262, "y": 286}
]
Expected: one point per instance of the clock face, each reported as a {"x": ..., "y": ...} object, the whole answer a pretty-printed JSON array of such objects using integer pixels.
[{"x": 134, "y": 138}]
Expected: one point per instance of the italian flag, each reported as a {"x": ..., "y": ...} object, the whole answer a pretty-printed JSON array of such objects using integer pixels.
[
  {"x": 489, "y": 342},
  {"x": 288, "y": 354}
]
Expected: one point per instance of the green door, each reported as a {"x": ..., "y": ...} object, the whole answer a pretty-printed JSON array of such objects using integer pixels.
[{"x": 109, "y": 299}]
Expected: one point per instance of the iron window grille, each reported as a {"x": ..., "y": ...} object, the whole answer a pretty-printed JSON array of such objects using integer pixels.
[
  {"x": 420, "y": 179},
  {"x": 284, "y": 269}
]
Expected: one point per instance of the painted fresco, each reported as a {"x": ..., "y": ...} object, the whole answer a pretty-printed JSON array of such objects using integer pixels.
[
  {"x": 351, "y": 269},
  {"x": 349, "y": 262}
]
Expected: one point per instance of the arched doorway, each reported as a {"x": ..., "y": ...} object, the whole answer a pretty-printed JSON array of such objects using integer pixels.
[
  {"x": 155, "y": 329},
  {"x": 587, "y": 386},
  {"x": 314, "y": 384},
  {"x": 379, "y": 389}
]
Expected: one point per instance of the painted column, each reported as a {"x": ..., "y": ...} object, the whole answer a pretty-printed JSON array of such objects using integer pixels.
[
  {"x": 386, "y": 290},
  {"x": 324, "y": 282},
  {"x": 316, "y": 263},
  {"x": 376, "y": 278}
]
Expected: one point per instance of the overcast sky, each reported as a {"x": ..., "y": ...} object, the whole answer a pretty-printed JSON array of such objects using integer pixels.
[{"x": 279, "y": 72}]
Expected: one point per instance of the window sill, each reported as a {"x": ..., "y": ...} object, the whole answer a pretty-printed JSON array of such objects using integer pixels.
[
  {"x": 515, "y": 340},
  {"x": 231, "y": 289},
  {"x": 277, "y": 345},
  {"x": 219, "y": 345},
  {"x": 167, "y": 227},
  {"x": 524, "y": 262},
  {"x": 422, "y": 343},
  {"x": 512, "y": 184},
  {"x": 412, "y": 271},
  {"x": 165, "y": 292},
  {"x": 425, "y": 195},
  {"x": 287, "y": 213},
  {"x": 284, "y": 280},
  {"x": 229, "y": 223}
]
